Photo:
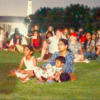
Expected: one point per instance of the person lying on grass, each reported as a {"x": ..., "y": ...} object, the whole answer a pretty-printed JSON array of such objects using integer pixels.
[
  {"x": 51, "y": 72},
  {"x": 29, "y": 61}
]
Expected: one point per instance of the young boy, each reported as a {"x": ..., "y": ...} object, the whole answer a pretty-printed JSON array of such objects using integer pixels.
[{"x": 51, "y": 72}]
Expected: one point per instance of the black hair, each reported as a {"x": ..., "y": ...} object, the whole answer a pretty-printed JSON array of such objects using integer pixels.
[
  {"x": 39, "y": 37},
  {"x": 17, "y": 31},
  {"x": 30, "y": 48},
  {"x": 64, "y": 41},
  {"x": 49, "y": 33},
  {"x": 86, "y": 42},
  {"x": 64, "y": 77},
  {"x": 61, "y": 59}
]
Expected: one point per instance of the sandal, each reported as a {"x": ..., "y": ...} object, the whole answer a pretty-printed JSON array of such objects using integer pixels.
[{"x": 49, "y": 81}]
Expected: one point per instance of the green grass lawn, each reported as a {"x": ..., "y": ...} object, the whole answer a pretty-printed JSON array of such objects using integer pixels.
[{"x": 87, "y": 85}]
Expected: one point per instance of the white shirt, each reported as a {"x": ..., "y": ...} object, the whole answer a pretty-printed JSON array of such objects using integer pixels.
[
  {"x": 29, "y": 64},
  {"x": 23, "y": 41},
  {"x": 53, "y": 46}
]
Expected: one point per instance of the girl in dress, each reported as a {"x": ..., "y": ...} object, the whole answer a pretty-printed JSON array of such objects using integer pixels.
[{"x": 29, "y": 61}]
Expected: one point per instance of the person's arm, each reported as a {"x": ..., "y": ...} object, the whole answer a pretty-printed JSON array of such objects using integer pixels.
[
  {"x": 51, "y": 61},
  {"x": 92, "y": 46},
  {"x": 57, "y": 77},
  {"x": 31, "y": 42},
  {"x": 59, "y": 73},
  {"x": 3, "y": 38},
  {"x": 80, "y": 49},
  {"x": 20, "y": 65},
  {"x": 11, "y": 43},
  {"x": 68, "y": 66},
  {"x": 34, "y": 62}
]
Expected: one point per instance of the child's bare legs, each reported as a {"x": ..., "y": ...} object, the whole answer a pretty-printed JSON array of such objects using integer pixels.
[
  {"x": 50, "y": 78},
  {"x": 12, "y": 72},
  {"x": 25, "y": 71},
  {"x": 40, "y": 79},
  {"x": 31, "y": 74}
]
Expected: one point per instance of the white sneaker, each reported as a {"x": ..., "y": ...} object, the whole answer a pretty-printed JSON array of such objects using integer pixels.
[{"x": 87, "y": 61}]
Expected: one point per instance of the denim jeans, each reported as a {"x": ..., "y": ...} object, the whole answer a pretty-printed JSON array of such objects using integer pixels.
[{"x": 86, "y": 54}]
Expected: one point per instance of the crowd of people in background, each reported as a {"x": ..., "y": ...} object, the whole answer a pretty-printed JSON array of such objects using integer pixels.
[{"x": 74, "y": 46}]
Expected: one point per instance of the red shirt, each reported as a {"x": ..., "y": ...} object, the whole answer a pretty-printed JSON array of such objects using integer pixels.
[
  {"x": 82, "y": 39},
  {"x": 36, "y": 42}
]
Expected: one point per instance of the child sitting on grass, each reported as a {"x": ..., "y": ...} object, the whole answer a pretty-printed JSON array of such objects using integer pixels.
[
  {"x": 51, "y": 72},
  {"x": 29, "y": 61}
]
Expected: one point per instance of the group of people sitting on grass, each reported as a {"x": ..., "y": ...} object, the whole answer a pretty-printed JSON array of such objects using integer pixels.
[{"x": 59, "y": 49}]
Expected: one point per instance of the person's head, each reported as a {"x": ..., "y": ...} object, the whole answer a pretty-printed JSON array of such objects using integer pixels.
[
  {"x": 66, "y": 31},
  {"x": 88, "y": 36},
  {"x": 62, "y": 45},
  {"x": 32, "y": 28},
  {"x": 16, "y": 31},
  {"x": 16, "y": 34},
  {"x": 59, "y": 61},
  {"x": 36, "y": 34},
  {"x": 80, "y": 30},
  {"x": 50, "y": 28},
  {"x": 28, "y": 50},
  {"x": 36, "y": 27},
  {"x": 94, "y": 36},
  {"x": 98, "y": 32},
  {"x": 49, "y": 34},
  {"x": 64, "y": 77},
  {"x": 73, "y": 37},
  {"x": 59, "y": 33},
  {"x": 71, "y": 30}
]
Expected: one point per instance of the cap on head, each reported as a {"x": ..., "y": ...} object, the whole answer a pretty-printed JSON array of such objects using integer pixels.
[{"x": 73, "y": 34}]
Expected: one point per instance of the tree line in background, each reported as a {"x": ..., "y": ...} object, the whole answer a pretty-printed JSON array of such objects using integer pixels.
[{"x": 75, "y": 16}]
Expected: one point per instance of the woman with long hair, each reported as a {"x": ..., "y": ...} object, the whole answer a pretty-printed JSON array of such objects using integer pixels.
[
  {"x": 69, "y": 59},
  {"x": 89, "y": 46}
]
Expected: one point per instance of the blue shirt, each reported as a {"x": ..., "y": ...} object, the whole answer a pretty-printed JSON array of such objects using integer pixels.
[{"x": 68, "y": 66}]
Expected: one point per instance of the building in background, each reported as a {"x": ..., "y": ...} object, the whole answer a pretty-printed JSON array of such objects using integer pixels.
[
  {"x": 29, "y": 9},
  {"x": 9, "y": 23}
]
